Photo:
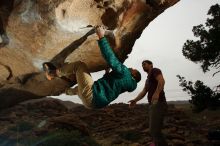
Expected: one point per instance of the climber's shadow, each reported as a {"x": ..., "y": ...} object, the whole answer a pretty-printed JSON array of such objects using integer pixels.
[
  {"x": 11, "y": 96},
  {"x": 6, "y": 7}
]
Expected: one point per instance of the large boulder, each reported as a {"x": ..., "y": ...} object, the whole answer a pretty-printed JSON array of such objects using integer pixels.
[{"x": 35, "y": 31}]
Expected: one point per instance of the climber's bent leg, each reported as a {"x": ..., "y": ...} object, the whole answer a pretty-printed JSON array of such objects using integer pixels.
[{"x": 84, "y": 81}]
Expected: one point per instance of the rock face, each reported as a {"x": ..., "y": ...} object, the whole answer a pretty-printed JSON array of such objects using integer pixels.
[
  {"x": 41, "y": 29},
  {"x": 35, "y": 31},
  {"x": 40, "y": 122}
]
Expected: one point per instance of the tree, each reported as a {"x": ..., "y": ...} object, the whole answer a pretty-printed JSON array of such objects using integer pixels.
[
  {"x": 206, "y": 50},
  {"x": 202, "y": 96}
]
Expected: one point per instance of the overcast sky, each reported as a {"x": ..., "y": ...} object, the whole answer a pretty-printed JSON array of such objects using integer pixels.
[{"x": 162, "y": 42}]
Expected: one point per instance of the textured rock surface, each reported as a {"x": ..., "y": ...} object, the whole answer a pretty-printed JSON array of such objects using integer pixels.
[
  {"x": 35, "y": 31},
  {"x": 115, "y": 125},
  {"x": 40, "y": 29}
]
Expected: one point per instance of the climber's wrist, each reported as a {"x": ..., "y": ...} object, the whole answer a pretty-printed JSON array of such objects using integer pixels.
[
  {"x": 101, "y": 36},
  {"x": 100, "y": 31}
]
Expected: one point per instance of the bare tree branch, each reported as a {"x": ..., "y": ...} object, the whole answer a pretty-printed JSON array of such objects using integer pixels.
[{"x": 216, "y": 73}]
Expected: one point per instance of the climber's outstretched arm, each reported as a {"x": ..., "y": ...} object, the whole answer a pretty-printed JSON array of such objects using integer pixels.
[{"x": 107, "y": 51}]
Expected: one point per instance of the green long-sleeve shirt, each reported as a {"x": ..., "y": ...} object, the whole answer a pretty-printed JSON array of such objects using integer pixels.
[{"x": 119, "y": 80}]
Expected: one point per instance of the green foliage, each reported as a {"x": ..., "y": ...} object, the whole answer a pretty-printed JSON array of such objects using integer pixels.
[
  {"x": 202, "y": 96},
  {"x": 22, "y": 126},
  {"x": 206, "y": 50},
  {"x": 131, "y": 135},
  {"x": 65, "y": 138},
  {"x": 58, "y": 137}
]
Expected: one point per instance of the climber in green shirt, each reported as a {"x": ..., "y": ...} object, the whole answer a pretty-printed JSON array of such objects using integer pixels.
[{"x": 100, "y": 93}]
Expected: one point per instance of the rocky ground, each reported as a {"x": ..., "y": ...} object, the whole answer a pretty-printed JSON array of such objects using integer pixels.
[{"x": 51, "y": 122}]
